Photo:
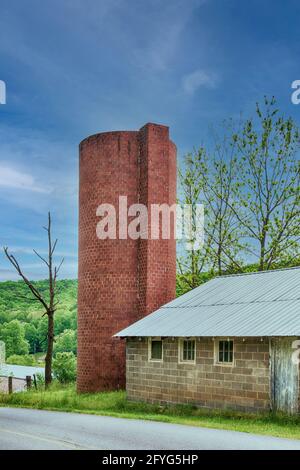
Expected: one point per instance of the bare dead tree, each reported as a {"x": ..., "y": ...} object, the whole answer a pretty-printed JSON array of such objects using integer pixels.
[{"x": 49, "y": 301}]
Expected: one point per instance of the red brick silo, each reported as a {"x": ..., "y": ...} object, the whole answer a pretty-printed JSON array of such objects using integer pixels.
[{"x": 120, "y": 280}]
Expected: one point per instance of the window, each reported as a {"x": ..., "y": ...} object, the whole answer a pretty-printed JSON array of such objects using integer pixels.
[
  {"x": 187, "y": 349},
  {"x": 225, "y": 351},
  {"x": 155, "y": 350}
]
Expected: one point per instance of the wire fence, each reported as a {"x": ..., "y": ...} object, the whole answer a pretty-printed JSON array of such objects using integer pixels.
[{"x": 13, "y": 384}]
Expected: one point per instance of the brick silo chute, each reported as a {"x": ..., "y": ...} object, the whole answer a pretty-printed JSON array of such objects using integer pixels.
[{"x": 120, "y": 280}]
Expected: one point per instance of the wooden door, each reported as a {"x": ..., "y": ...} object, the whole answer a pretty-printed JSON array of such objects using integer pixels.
[{"x": 284, "y": 376}]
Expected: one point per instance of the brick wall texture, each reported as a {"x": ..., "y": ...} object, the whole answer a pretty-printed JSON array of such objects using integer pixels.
[
  {"x": 121, "y": 280},
  {"x": 244, "y": 386}
]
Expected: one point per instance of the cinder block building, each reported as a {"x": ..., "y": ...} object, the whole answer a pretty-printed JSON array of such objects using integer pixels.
[{"x": 230, "y": 343}]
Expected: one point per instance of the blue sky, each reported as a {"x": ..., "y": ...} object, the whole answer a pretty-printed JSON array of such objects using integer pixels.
[{"x": 76, "y": 67}]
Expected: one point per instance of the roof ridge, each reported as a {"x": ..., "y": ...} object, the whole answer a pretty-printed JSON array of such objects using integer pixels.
[
  {"x": 267, "y": 271},
  {"x": 233, "y": 303}
]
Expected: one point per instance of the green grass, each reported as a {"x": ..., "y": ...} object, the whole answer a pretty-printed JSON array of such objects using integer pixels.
[{"x": 115, "y": 404}]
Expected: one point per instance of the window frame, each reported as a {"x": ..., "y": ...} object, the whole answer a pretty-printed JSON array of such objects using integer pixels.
[
  {"x": 180, "y": 351},
  {"x": 217, "y": 351},
  {"x": 150, "y": 340}
]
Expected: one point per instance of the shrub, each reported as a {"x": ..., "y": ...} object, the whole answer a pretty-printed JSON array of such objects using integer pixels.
[
  {"x": 64, "y": 367},
  {"x": 40, "y": 381},
  {"x": 25, "y": 360},
  {"x": 66, "y": 342}
]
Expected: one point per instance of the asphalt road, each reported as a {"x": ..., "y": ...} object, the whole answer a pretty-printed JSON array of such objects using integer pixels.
[{"x": 34, "y": 429}]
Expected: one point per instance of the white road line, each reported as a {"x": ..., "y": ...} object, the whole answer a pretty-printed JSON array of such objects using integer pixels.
[{"x": 68, "y": 445}]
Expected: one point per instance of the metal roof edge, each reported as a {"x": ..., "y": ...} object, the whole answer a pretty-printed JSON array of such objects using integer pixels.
[{"x": 267, "y": 271}]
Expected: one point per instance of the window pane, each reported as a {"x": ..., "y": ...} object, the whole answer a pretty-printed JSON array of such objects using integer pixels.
[
  {"x": 192, "y": 350},
  {"x": 225, "y": 351},
  {"x": 185, "y": 351},
  {"x": 221, "y": 351},
  {"x": 220, "y": 355},
  {"x": 156, "y": 349},
  {"x": 226, "y": 355},
  {"x": 188, "y": 350}
]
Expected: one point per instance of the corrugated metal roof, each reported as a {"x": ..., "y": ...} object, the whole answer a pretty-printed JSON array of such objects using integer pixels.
[{"x": 254, "y": 304}]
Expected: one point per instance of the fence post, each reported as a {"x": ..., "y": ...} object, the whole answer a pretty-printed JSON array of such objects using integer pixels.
[
  {"x": 10, "y": 384},
  {"x": 28, "y": 382},
  {"x": 34, "y": 381}
]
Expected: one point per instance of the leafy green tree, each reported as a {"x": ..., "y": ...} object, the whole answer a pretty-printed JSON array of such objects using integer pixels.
[
  {"x": 250, "y": 187},
  {"x": 211, "y": 180},
  {"x": 269, "y": 194},
  {"x": 64, "y": 367},
  {"x": 31, "y": 335},
  {"x": 13, "y": 335},
  {"x": 192, "y": 262},
  {"x": 63, "y": 321},
  {"x": 66, "y": 342}
]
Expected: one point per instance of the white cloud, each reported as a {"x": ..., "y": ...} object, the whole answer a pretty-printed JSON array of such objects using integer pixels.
[
  {"x": 15, "y": 179},
  {"x": 29, "y": 251},
  {"x": 8, "y": 275},
  {"x": 199, "y": 78},
  {"x": 37, "y": 271}
]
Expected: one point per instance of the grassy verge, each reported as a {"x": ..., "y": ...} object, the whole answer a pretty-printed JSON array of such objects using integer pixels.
[{"x": 115, "y": 404}]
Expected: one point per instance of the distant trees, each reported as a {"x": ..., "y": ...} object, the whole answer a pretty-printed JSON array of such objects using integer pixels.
[
  {"x": 14, "y": 305},
  {"x": 66, "y": 342},
  {"x": 249, "y": 185},
  {"x": 13, "y": 335},
  {"x": 31, "y": 335}
]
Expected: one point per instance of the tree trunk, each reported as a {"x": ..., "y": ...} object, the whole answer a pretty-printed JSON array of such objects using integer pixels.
[
  {"x": 48, "y": 358},
  {"x": 261, "y": 266},
  {"x": 219, "y": 256}
]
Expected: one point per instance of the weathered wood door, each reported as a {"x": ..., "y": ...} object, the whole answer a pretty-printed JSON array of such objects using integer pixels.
[{"x": 284, "y": 376}]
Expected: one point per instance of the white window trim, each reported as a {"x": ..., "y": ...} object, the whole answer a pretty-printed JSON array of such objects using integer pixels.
[
  {"x": 158, "y": 338},
  {"x": 180, "y": 351},
  {"x": 216, "y": 352}
]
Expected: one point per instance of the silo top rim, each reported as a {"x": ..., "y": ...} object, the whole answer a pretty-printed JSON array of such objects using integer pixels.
[
  {"x": 119, "y": 132},
  {"x": 107, "y": 133}
]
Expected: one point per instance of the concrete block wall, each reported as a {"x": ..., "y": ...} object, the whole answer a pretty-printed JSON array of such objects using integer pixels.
[{"x": 244, "y": 386}]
